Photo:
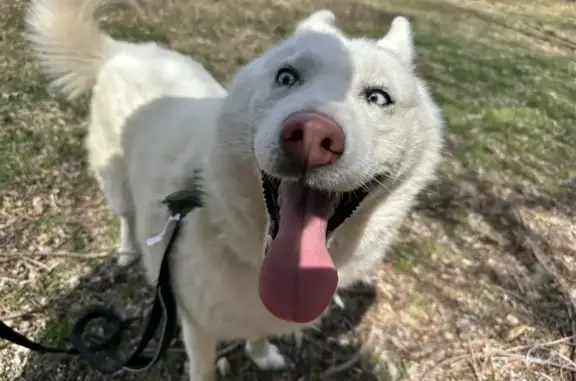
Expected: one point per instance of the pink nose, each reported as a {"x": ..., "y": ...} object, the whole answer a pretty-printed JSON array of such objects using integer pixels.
[{"x": 311, "y": 140}]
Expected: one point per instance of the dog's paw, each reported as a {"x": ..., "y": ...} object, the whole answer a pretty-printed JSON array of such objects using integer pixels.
[
  {"x": 126, "y": 258},
  {"x": 269, "y": 358}
]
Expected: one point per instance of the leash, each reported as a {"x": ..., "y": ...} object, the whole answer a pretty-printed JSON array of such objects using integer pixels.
[{"x": 163, "y": 315}]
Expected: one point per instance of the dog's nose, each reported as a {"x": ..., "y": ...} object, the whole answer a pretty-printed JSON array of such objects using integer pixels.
[{"x": 311, "y": 140}]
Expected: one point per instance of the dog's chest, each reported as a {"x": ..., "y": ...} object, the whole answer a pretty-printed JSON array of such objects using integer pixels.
[{"x": 222, "y": 297}]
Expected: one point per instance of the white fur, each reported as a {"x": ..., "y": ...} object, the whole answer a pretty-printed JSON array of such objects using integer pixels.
[
  {"x": 157, "y": 116},
  {"x": 265, "y": 355}
]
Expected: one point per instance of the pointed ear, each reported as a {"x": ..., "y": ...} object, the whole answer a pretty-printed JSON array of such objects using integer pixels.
[
  {"x": 322, "y": 21},
  {"x": 399, "y": 39}
]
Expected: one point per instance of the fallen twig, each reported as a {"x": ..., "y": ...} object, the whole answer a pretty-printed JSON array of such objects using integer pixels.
[
  {"x": 18, "y": 315},
  {"x": 344, "y": 365},
  {"x": 8, "y": 279},
  {"x": 96, "y": 255},
  {"x": 36, "y": 263},
  {"x": 229, "y": 349},
  {"x": 510, "y": 355}
]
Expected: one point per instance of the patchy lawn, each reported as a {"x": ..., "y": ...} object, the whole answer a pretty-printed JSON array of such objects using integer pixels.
[{"x": 479, "y": 287}]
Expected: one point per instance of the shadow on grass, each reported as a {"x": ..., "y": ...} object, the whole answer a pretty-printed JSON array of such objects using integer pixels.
[
  {"x": 506, "y": 232},
  {"x": 509, "y": 135},
  {"x": 125, "y": 291},
  {"x": 510, "y": 157}
]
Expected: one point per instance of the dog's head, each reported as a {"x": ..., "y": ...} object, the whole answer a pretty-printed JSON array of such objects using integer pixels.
[{"x": 327, "y": 119}]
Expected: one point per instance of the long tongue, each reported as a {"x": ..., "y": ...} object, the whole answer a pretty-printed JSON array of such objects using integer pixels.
[{"x": 298, "y": 277}]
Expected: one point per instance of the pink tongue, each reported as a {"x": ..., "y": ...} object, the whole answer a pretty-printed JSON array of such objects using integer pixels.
[{"x": 298, "y": 277}]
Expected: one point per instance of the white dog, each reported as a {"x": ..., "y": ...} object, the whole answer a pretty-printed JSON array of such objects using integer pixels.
[{"x": 310, "y": 161}]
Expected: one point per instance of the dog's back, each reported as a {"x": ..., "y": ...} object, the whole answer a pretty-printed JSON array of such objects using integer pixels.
[{"x": 144, "y": 97}]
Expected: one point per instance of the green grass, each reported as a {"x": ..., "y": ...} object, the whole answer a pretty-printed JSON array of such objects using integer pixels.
[{"x": 503, "y": 72}]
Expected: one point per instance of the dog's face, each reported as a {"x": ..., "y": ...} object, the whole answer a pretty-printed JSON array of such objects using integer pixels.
[
  {"x": 350, "y": 104},
  {"x": 327, "y": 118}
]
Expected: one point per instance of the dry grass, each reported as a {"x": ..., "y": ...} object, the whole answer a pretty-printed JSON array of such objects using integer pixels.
[{"x": 479, "y": 287}]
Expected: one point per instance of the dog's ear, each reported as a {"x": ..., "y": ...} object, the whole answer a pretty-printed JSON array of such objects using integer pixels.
[
  {"x": 321, "y": 21},
  {"x": 399, "y": 39}
]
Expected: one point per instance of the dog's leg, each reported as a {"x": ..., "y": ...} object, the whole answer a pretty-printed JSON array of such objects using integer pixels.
[
  {"x": 265, "y": 354},
  {"x": 113, "y": 183},
  {"x": 201, "y": 351},
  {"x": 127, "y": 250}
]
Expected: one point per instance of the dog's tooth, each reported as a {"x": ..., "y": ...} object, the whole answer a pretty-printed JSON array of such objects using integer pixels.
[
  {"x": 268, "y": 243},
  {"x": 339, "y": 302}
]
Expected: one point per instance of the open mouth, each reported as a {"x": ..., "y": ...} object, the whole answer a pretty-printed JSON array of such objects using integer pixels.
[{"x": 298, "y": 277}]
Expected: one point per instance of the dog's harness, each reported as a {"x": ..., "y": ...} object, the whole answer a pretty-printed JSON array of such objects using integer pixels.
[{"x": 163, "y": 314}]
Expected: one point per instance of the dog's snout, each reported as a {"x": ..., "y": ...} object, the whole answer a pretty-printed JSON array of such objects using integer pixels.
[{"x": 311, "y": 140}]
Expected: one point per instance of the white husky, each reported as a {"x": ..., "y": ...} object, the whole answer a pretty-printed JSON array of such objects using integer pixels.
[{"x": 310, "y": 161}]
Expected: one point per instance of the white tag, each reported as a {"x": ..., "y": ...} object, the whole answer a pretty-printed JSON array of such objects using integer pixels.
[{"x": 160, "y": 236}]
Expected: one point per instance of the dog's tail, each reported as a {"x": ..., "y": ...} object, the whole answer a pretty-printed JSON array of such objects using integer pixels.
[{"x": 68, "y": 43}]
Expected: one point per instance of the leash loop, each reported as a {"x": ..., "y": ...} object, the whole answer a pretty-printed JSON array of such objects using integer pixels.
[{"x": 163, "y": 315}]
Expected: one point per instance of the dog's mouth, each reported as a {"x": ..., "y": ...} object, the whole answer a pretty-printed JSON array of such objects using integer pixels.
[{"x": 298, "y": 277}]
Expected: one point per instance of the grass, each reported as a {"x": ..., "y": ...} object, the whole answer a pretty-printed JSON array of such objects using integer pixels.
[{"x": 483, "y": 271}]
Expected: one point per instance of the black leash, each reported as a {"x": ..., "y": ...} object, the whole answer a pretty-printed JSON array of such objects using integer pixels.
[{"x": 163, "y": 314}]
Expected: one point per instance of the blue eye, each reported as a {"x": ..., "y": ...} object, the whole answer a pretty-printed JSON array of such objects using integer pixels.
[
  {"x": 287, "y": 77},
  {"x": 378, "y": 97}
]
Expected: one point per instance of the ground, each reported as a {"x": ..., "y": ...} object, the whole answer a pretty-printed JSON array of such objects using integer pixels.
[{"x": 480, "y": 285}]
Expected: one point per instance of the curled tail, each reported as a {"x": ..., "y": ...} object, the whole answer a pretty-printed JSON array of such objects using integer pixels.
[{"x": 68, "y": 43}]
